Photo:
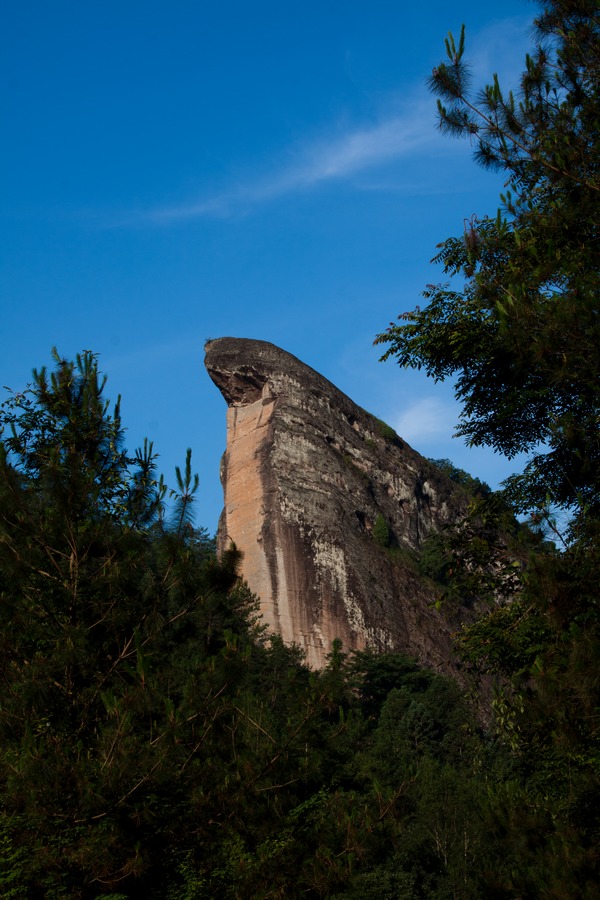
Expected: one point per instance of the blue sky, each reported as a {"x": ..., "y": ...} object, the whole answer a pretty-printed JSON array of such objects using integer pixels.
[{"x": 178, "y": 171}]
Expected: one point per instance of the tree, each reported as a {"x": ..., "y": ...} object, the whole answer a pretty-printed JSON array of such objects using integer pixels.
[
  {"x": 153, "y": 742},
  {"x": 518, "y": 328},
  {"x": 122, "y": 643},
  {"x": 521, "y": 332}
]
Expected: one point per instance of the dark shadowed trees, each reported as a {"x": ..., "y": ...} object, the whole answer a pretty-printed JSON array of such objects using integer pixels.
[{"x": 518, "y": 328}]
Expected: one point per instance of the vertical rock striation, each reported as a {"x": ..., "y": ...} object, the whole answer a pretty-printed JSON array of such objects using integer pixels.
[{"x": 307, "y": 476}]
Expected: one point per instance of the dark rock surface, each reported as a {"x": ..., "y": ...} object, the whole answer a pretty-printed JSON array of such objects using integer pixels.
[{"x": 306, "y": 476}]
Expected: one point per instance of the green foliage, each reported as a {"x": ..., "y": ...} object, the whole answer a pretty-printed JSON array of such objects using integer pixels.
[
  {"x": 521, "y": 336},
  {"x": 386, "y": 432},
  {"x": 381, "y": 532},
  {"x": 517, "y": 328},
  {"x": 154, "y": 742},
  {"x": 474, "y": 486},
  {"x": 13, "y": 863},
  {"x": 435, "y": 560},
  {"x": 129, "y": 655}
]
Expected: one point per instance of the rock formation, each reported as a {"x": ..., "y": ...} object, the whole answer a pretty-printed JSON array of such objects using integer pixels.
[{"x": 314, "y": 488}]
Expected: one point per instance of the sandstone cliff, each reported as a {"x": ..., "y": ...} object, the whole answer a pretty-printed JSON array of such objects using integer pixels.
[{"x": 307, "y": 476}]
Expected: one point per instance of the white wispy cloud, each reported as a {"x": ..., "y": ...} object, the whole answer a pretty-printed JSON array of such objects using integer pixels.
[
  {"x": 338, "y": 156},
  {"x": 500, "y": 48},
  {"x": 426, "y": 420},
  {"x": 398, "y": 132}
]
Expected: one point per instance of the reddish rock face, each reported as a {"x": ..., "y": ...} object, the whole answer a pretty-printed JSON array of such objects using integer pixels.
[{"x": 306, "y": 475}]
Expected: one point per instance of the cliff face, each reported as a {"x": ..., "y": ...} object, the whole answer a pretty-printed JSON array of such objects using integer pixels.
[{"x": 306, "y": 476}]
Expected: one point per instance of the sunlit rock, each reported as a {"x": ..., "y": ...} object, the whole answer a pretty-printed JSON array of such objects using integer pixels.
[{"x": 314, "y": 487}]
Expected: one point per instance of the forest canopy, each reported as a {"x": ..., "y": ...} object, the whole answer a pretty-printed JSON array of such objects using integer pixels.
[{"x": 154, "y": 741}]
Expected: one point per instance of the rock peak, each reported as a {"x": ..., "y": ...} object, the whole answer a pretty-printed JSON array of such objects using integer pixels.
[
  {"x": 242, "y": 367},
  {"x": 307, "y": 475}
]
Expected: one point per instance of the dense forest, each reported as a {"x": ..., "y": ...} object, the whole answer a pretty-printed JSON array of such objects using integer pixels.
[{"x": 155, "y": 742}]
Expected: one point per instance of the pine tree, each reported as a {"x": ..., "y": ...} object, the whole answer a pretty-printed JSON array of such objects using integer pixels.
[
  {"x": 121, "y": 641},
  {"x": 522, "y": 336},
  {"x": 519, "y": 330}
]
